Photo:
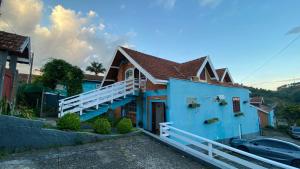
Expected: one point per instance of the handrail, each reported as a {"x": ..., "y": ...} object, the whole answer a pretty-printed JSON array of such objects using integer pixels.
[
  {"x": 96, "y": 97},
  {"x": 166, "y": 132},
  {"x": 94, "y": 90}
]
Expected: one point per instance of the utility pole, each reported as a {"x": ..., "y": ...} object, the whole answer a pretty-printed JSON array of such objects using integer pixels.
[{"x": 30, "y": 71}]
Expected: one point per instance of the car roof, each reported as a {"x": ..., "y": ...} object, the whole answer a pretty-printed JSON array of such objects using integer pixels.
[{"x": 278, "y": 140}]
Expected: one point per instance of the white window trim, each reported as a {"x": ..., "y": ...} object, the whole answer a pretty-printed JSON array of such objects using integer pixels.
[
  {"x": 130, "y": 69},
  {"x": 207, "y": 60},
  {"x": 224, "y": 74}
]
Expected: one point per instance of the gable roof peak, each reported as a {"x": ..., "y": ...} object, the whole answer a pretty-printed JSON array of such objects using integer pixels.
[{"x": 128, "y": 49}]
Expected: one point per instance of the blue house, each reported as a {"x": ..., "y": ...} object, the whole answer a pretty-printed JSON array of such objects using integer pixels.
[
  {"x": 91, "y": 82},
  {"x": 193, "y": 95}
]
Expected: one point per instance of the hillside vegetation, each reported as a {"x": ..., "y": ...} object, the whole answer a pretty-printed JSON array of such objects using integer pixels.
[{"x": 286, "y": 97}]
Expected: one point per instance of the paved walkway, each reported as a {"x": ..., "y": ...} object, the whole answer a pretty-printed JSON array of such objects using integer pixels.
[{"x": 139, "y": 151}]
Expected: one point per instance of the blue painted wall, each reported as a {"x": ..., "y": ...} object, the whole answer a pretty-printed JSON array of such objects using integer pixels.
[
  {"x": 271, "y": 118},
  {"x": 145, "y": 113},
  {"x": 191, "y": 120},
  {"x": 88, "y": 85}
]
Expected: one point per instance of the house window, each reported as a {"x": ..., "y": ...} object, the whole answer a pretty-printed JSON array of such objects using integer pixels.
[
  {"x": 236, "y": 104},
  {"x": 129, "y": 74}
]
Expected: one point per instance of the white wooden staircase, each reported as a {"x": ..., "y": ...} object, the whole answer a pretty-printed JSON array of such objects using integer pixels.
[{"x": 98, "y": 101}]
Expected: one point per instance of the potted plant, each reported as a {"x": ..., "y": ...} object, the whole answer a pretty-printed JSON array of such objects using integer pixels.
[
  {"x": 212, "y": 120},
  {"x": 237, "y": 114},
  {"x": 193, "y": 105},
  {"x": 222, "y": 102}
]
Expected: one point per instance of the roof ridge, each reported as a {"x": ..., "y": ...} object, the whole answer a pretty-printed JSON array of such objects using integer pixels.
[
  {"x": 149, "y": 55},
  {"x": 193, "y": 60}
]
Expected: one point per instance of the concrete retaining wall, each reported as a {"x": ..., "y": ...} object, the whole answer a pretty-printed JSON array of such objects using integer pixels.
[{"x": 17, "y": 134}]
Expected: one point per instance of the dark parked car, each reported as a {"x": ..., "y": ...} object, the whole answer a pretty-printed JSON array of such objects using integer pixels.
[
  {"x": 274, "y": 149},
  {"x": 294, "y": 132}
]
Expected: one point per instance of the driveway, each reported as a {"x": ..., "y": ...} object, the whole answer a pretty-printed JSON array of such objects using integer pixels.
[{"x": 138, "y": 151}]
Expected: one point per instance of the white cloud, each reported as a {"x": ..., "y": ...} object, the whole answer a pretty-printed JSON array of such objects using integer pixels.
[
  {"x": 20, "y": 16},
  {"x": 69, "y": 35},
  {"x": 92, "y": 13},
  {"x": 101, "y": 26},
  {"x": 209, "y": 3},
  {"x": 167, "y": 4}
]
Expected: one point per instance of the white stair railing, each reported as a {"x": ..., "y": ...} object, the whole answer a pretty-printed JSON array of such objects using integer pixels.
[
  {"x": 94, "y": 98},
  {"x": 213, "y": 152}
]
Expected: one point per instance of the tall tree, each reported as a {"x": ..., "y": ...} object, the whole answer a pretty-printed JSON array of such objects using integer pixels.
[
  {"x": 96, "y": 68},
  {"x": 58, "y": 71}
]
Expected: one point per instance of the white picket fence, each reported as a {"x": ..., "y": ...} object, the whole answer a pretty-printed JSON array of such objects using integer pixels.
[
  {"x": 97, "y": 97},
  {"x": 218, "y": 154}
]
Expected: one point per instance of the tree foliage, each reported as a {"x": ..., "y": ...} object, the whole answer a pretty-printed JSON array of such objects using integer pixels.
[
  {"x": 58, "y": 71},
  {"x": 96, "y": 68},
  {"x": 291, "y": 113},
  {"x": 286, "y": 98}
]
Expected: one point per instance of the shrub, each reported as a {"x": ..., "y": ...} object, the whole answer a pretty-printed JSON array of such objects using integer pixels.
[
  {"x": 69, "y": 121},
  {"x": 102, "y": 126},
  {"x": 124, "y": 126},
  {"x": 26, "y": 112}
]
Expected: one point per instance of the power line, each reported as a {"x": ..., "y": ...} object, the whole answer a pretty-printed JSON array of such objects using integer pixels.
[{"x": 275, "y": 55}]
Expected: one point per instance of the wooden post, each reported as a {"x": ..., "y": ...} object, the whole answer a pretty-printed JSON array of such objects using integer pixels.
[
  {"x": 13, "y": 69},
  {"x": 3, "y": 58}
]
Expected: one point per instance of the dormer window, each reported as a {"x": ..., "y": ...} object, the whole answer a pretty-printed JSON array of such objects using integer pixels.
[{"x": 129, "y": 73}]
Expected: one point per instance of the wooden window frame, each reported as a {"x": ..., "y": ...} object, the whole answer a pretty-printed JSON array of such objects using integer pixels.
[{"x": 236, "y": 104}]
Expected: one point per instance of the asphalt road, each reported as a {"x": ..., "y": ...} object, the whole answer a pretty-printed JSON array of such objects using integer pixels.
[{"x": 138, "y": 151}]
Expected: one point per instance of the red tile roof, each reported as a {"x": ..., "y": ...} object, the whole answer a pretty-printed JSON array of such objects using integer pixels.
[
  {"x": 191, "y": 68},
  {"x": 15, "y": 45},
  {"x": 220, "y": 72},
  {"x": 11, "y": 42},
  {"x": 256, "y": 100},
  {"x": 89, "y": 77},
  {"x": 164, "y": 69}
]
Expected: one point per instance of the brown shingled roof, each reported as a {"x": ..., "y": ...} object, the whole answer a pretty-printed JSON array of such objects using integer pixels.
[{"x": 164, "y": 69}]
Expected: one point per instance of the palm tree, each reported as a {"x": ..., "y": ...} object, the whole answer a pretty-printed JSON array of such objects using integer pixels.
[{"x": 96, "y": 68}]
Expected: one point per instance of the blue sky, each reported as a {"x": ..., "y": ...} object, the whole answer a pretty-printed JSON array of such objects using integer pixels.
[{"x": 240, "y": 35}]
